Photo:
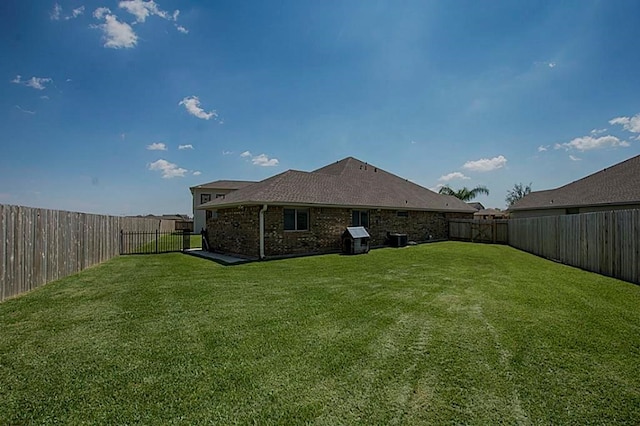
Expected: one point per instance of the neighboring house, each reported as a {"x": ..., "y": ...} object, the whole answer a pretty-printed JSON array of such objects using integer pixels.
[
  {"x": 476, "y": 205},
  {"x": 490, "y": 214},
  {"x": 181, "y": 222},
  {"x": 206, "y": 192},
  {"x": 298, "y": 212},
  {"x": 614, "y": 188}
]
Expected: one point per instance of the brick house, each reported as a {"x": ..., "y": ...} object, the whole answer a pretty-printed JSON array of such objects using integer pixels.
[
  {"x": 201, "y": 194},
  {"x": 295, "y": 212}
]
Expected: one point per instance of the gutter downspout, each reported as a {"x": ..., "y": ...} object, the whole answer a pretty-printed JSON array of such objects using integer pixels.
[{"x": 262, "y": 210}]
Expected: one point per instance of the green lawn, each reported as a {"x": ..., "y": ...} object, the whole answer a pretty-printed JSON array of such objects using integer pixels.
[{"x": 439, "y": 333}]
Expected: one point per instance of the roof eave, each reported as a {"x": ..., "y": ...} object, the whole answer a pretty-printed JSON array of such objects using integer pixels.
[
  {"x": 573, "y": 206},
  {"x": 327, "y": 205}
]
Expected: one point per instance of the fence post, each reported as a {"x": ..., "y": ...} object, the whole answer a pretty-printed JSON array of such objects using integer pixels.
[
  {"x": 121, "y": 241},
  {"x": 186, "y": 240},
  {"x": 156, "y": 241}
]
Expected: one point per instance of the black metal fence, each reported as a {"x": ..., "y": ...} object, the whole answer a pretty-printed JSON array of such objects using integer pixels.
[{"x": 132, "y": 242}]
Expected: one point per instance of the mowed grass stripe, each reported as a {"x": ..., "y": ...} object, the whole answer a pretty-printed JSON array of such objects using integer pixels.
[{"x": 438, "y": 333}]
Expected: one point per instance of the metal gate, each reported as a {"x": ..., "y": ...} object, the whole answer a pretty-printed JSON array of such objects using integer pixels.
[{"x": 133, "y": 242}]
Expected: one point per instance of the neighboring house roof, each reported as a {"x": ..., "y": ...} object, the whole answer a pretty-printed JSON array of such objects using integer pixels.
[
  {"x": 224, "y": 184},
  {"x": 490, "y": 212},
  {"x": 476, "y": 205},
  {"x": 615, "y": 185},
  {"x": 348, "y": 182}
]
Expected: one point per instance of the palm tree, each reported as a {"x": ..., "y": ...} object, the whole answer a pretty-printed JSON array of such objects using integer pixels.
[{"x": 465, "y": 194}]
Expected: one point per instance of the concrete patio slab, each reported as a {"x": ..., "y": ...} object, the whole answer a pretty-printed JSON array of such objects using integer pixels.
[{"x": 217, "y": 257}]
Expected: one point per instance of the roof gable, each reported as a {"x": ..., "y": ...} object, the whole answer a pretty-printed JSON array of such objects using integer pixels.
[
  {"x": 350, "y": 183},
  {"x": 618, "y": 184}
]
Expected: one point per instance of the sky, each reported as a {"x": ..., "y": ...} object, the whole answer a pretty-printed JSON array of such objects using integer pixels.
[{"x": 118, "y": 107}]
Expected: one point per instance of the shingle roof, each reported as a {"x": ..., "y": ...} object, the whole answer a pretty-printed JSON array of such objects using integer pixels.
[
  {"x": 224, "y": 184},
  {"x": 615, "y": 185},
  {"x": 348, "y": 182}
]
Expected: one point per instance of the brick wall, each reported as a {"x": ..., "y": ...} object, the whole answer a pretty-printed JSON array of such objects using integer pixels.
[
  {"x": 238, "y": 230},
  {"x": 235, "y": 231}
]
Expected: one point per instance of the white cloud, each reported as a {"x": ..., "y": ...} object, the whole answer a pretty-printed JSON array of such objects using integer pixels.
[
  {"x": 574, "y": 158},
  {"x": 76, "y": 12},
  {"x": 182, "y": 29},
  {"x": 227, "y": 152},
  {"x": 587, "y": 143},
  {"x": 451, "y": 176},
  {"x": 45, "y": 97},
  {"x": 37, "y": 83},
  {"x": 26, "y": 111},
  {"x": 192, "y": 104},
  {"x": 631, "y": 124},
  {"x": 188, "y": 146},
  {"x": 543, "y": 148},
  {"x": 485, "y": 164},
  {"x": 597, "y": 131},
  {"x": 143, "y": 9},
  {"x": 264, "y": 161},
  {"x": 115, "y": 34},
  {"x": 56, "y": 12},
  {"x": 100, "y": 12},
  {"x": 157, "y": 146},
  {"x": 197, "y": 173},
  {"x": 260, "y": 160},
  {"x": 546, "y": 64},
  {"x": 169, "y": 170}
]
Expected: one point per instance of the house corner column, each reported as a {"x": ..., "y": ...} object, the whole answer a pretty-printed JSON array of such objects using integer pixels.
[{"x": 262, "y": 211}]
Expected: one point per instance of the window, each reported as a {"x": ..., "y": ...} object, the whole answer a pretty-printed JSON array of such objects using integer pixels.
[
  {"x": 360, "y": 218},
  {"x": 208, "y": 214},
  {"x": 205, "y": 198},
  {"x": 296, "y": 219},
  {"x": 219, "y": 195},
  {"x": 402, "y": 213}
]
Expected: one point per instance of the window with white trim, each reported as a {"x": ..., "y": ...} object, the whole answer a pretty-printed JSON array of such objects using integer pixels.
[{"x": 296, "y": 219}]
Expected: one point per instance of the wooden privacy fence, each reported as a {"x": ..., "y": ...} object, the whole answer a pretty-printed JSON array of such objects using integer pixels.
[
  {"x": 605, "y": 242},
  {"x": 38, "y": 246},
  {"x": 479, "y": 230}
]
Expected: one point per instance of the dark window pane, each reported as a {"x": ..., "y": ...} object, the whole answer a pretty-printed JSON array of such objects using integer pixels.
[
  {"x": 289, "y": 219},
  {"x": 303, "y": 220},
  {"x": 355, "y": 218},
  {"x": 364, "y": 219}
]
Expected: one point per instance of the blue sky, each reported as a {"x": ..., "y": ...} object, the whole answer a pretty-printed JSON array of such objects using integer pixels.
[{"x": 119, "y": 107}]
